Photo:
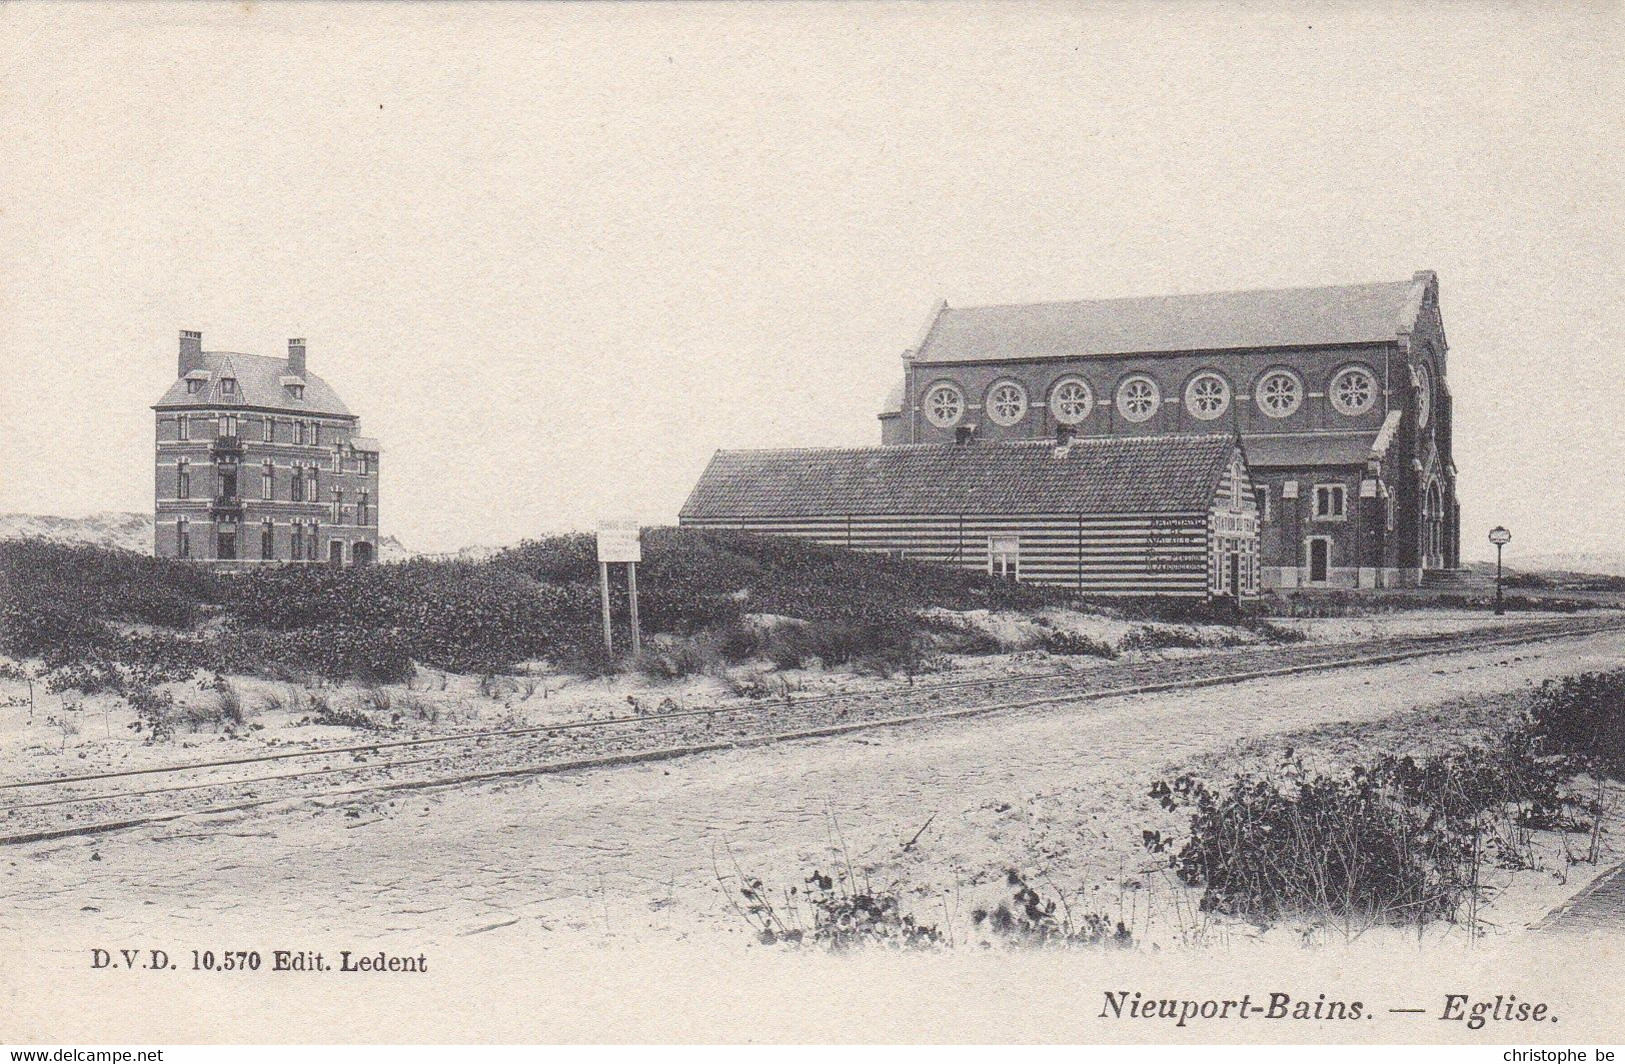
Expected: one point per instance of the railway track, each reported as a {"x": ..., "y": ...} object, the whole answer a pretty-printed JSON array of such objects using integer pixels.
[{"x": 65, "y": 806}]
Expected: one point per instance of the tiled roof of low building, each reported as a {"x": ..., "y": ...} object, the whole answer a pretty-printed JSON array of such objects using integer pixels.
[
  {"x": 1096, "y": 475},
  {"x": 259, "y": 384},
  {"x": 1310, "y": 449},
  {"x": 1215, "y": 321}
]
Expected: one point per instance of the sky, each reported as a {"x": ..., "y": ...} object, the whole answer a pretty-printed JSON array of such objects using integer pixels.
[{"x": 555, "y": 256}]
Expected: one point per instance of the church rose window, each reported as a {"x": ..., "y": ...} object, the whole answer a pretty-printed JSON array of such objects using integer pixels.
[
  {"x": 1006, "y": 403},
  {"x": 1354, "y": 390},
  {"x": 1138, "y": 398},
  {"x": 1424, "y": 396},
  {"x": 1207, "y": 396},
  {"x": 1071, "y": 401},
  {"x": 1279, "y": 393},
  {"x": 944, "y": 406}
]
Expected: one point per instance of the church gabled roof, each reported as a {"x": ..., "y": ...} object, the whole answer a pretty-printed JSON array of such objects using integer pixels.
[
  {"x": 259, "y": 384},
  {"x": 1214, "y": 321},
  {"x": 1094, "y": 475}
]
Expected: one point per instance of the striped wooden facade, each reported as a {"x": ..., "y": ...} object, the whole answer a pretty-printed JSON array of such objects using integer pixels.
[{"x": 1195, "y": 552}]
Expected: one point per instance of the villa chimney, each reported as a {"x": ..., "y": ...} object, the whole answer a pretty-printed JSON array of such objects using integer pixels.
[
  {"x": 191, "y": 352},
  {"x": 296, "y": 358}
]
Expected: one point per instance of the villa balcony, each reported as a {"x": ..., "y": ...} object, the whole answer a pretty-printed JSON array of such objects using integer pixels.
[
  {"x": 227, "y": 506},
  {"x": 227, "y": 447}
]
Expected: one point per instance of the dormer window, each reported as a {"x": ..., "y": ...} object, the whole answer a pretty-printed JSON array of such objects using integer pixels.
[
  {"x": 228, "y": 386},
  {"x": 296, "y": 391},
  {"x": 193, "y": 387}
]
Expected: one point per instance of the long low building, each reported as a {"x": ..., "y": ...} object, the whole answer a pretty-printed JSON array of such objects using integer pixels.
[{"x": 1131, "y": 515}]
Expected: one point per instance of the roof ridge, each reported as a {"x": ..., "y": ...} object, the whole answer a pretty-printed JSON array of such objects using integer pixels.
[
  {"x": 984, "y": 445},
  {"x": 1408, "y": 281}
]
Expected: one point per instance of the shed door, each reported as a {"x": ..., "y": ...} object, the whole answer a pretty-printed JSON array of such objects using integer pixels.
[{"x": 1004, "y": 557}]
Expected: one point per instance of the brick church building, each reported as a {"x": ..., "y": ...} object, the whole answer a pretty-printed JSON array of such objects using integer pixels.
[
  {"x": 1339, "y": 396},
  {"x": 258, "y": 461}
]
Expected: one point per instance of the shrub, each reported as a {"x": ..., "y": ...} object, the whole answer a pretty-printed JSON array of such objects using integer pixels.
[
  {"x": 1583, "y": 718},
  {"x": 1142, "y": 637},
  {"x": 338, "y": 717},
  {"x": 154, "y": 713},
  {"x": 1327, "y": 847},
  {"x": 1399, "y": 840},
  {"x": 1271, "y": 632},
  {"x": 1071, "y": 643},
  {"x": 678, "y": 657}
]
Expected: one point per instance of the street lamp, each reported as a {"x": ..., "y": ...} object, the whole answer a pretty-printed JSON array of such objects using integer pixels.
[{"x": 1500, "y": 537}]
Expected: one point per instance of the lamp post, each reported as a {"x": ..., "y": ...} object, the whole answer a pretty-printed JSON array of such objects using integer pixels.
[{"x": 1500, "y": 537}]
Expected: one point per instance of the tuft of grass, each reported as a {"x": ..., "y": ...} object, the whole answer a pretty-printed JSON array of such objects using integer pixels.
[{"x": 1030, "y": 918}]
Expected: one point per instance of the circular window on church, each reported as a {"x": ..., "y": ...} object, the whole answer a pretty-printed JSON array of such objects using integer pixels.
[
  {"x": 1138, "y": 398},
  {"x": 1424, "y": 396},
  {"x": 1279, "y": 393},
  {"x": 1071, "y": 400},
  {"x": 1353, "y": 390},
  {"x": 944, "y": 405},
  {"x": 1207, "y": 396},
  {"x": 1006, "y": 402}
]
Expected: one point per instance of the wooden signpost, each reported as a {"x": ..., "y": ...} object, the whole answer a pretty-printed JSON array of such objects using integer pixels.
[{"x": 620, "y": 541}]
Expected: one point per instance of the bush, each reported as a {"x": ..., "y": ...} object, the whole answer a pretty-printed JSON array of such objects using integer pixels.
[
  {"x": 1327, "y": 848},
  {"x": 1144, "y": 638},
  {"x": 1583, "y": 718},
  {"x": 154, "y": 714},
  {"x": 1071, "y": 643},
  {"x": 1399, "y": 840}
]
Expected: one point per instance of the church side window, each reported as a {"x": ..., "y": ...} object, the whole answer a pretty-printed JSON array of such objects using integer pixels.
[
  {"x": 1207, "y": 396},
  {"x": 1071, "y": 401},
  {"x": 1424, "y": 396},
  {"x": 1138, "y": 398},
  {"x": 1006, "y": 403},
  {"x": 1353, "y": 391},
  {"x": 944, "y": 405},
  {"x": 1279, "y": 393}
]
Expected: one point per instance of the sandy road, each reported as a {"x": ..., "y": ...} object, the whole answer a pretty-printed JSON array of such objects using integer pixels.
[{"x": 627, "y": 853}]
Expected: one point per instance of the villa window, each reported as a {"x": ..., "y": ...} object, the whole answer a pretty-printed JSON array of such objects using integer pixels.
[
  {"x": 267, "y": 480},
  {"x": 296, "y": 488},
  {"x": 183, "y": 480},
  {"x": 183, "y": 538},
  {"x": 183, "y": 428},
  {"x": 267, "y": 539},
  {"x": 269, "y": 425}
]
